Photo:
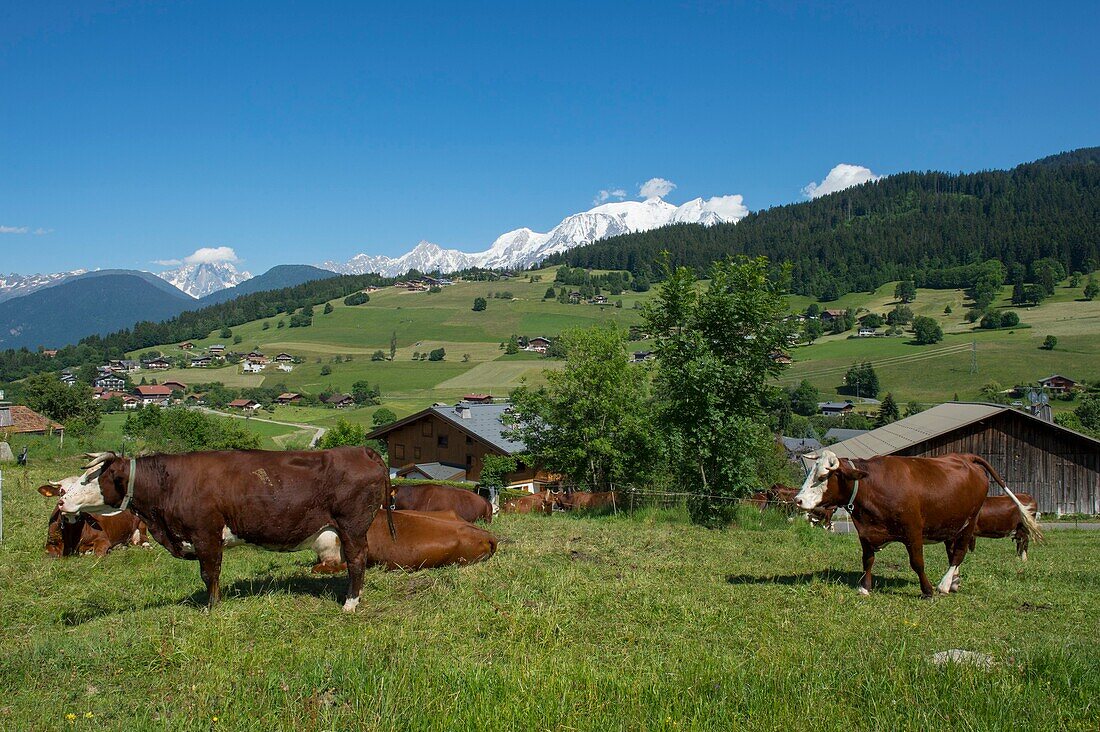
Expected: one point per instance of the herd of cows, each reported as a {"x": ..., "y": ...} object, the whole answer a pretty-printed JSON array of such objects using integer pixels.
[{"x": 198, "y": 504}]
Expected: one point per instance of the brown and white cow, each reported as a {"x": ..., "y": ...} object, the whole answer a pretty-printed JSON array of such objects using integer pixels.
[
  {"x": 541, "y": 502},
  {"x": 89, "y": 533},
  {"x": 434, "y": 497},
  {"x": 199, "y": 503},
  {"x": 424, "y": 540},
  {"x": 584, "y": 501},
  {"x": 783, "y": 497},
  {"x": 916, "y": 501},
  {"x": 999, "y": 518}
]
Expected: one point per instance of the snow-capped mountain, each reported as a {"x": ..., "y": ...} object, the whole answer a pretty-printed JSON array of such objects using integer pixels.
[
  {"x": 15, "y": 285},
  {"x": 199, "y": 280},
  {"x": 522, "y": 248}
]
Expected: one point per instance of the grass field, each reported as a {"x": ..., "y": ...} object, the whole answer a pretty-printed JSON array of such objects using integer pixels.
[{"x": 587, "y": 624}]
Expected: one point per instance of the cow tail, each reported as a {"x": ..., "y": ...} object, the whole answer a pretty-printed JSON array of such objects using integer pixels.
[
  {"x": 390, "y": 505},
  {"x": 1032, "y": 525}
]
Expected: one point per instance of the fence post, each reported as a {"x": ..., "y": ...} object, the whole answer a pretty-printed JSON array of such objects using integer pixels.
[{"x": 1, "y": 506}]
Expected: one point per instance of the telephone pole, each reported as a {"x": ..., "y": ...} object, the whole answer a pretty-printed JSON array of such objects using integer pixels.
[{"x": 974, "y": 356}]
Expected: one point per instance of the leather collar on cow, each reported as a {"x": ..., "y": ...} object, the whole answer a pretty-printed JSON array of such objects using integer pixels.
[
  {"x": 129, "y": 485},
  {"x": 855, "y": 489}
]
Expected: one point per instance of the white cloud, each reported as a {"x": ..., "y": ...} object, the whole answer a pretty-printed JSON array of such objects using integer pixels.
[
  {"x": 13, "y": 229},
  {"x": 841, "y": 177},
  {"x": 211, "y": 255},
  {"x": 656, "y": 188},
  {"x": 40, "y": 231},
  {"x": 730, "y": 208},
  {"x": 168, "y": 262},
  {"x": 606, "y": 195}
]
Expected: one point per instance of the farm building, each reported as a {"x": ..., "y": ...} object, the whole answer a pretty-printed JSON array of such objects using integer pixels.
[
  {"x": 1059, "y": 467},
  {"x": 1058, "y": 383},
  {"x": 457, "y": 437},
  {"x": 20, "y": 420},
  {"x": 246, "y": 405},
  {"x": 833, "y": 409},
  {"x": 340, "y": 401},
  {"x": 288, "y": 397},
  {"x": 153, "y": 394}
]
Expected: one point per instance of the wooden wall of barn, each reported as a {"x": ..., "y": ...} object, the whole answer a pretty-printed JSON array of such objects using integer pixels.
[{"x": 1058, "y": 468}]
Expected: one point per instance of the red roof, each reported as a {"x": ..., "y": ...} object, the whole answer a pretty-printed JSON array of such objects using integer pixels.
[
  {"x": 152, "y": 390},
  {"x": 25, "y": 419},
  {"x": 241, "y": 403},
  {"x": 175, "y": 385}
]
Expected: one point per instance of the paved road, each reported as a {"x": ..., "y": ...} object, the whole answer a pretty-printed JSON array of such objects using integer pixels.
[{"x": 318, "y": 432}]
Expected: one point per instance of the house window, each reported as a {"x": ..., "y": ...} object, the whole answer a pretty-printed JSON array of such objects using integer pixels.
[
  {"x": 416, "y": 453},
  {"x": 441, "y": 441},
  {"x": 469, "y": 460},
  {"x": 520, "y": 466},
  {"x": 426, "y": 428},
  {"x": 399, "y": 452},
  {"x": 469, "y": 440}
]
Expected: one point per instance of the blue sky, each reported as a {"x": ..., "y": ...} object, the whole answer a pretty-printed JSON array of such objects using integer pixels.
[{"x": 305, "y": 131}]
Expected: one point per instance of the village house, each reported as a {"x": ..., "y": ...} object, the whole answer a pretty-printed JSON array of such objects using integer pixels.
[
  {"x": 339, "y": 401},
  {"x": 828, "y": 316},
  {"x": 288, "y": 398},
  {"x": 125, "y": 366},
  {"x": 1058, "y": 383},
  {"x": 478, "y": 398},
  {"x": 201, "y": 362},
  {"x": 251, "y": 367},
  {"x": 156, "y": 364},
  {"x": 156, "y": 394},
  {"x": 782, "y": 358},
  {"x": 245, "y": 405},
  {"x": 187, "y": 345},
  {"x": 67, "y": 377},
  {"x": 834, "y": 409},
  {"x": 642, "y": 356},
  {"x": 175, "y": 385},
  {"x": 284, "y": 358},
  {"x": 50, "y": 353},
  {"x": 195, "y": 400},
  {"x": 109, "y": 381},
  {"x": 19, "y": 420},
  {"x": 216, "y": 351},
  {"x": 538, "y": 344},
  {"x": 256, "y": 357},
  {"x": 865, "y": 332},
  {"x": 598, "y": 300},
  {"x": 457, "y": 438}
]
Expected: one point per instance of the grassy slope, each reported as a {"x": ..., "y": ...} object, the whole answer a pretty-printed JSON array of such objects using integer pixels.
[{"x": 575, "y": 624}]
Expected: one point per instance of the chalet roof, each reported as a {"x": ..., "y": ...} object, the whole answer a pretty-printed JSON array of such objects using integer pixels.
[
  {"x": 19, "y": 419},
  {"x": 938, "y": 420},
  {"x": 483, "y": 422},
  {"x": 289, "y": 395},
  {"x": 435, "y": 471},
  {"x": 337, "y": 398},
  {"x": 839, "y": 434},
  {"x": 152, "y": 390},
  {"x": 1056, "y": 376},
  {"x": 800, "y": 445},
  {"x": 242, "y": 402},
  {"x": 833, "y": 405},
  {"x": 173, "y": 383}
]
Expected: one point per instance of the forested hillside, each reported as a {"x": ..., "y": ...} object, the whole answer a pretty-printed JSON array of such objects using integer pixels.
[{"x": 905, "y": 226}]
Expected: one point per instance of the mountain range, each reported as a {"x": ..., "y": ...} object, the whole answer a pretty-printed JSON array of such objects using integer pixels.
[
  {"x": 204, "y": 278},
  {"x": 522, "y": 248}
]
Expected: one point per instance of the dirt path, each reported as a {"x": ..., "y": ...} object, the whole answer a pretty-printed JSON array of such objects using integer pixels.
[{"x": 318, "y": 432}]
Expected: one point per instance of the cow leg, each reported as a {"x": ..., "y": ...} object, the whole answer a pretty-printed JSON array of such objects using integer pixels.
[
  {"x": 1021, "y": 542},
  {"x": 355, "y": 554},
  {"x": 210, "y": 569},
  {"x": 868, "y": 562},
  {"x": 915, "y": 547},
  {"x": 955, "y": 555}
]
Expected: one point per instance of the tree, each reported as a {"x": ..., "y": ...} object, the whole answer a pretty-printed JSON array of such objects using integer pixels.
[
  {"x": 237, "y": 339},
  {"x": 328, "y": 308},
  {"x": 71, "y": 405},
  {"x": 812, "y": 330},
  {"x": 913, "y": 407},
  {"x": 1009, "y": 319},
  {"x": 512, "y": 346},
  {"x": 383, "y": 417},
  {"x": 363, "y": 393},
  {"x": 1088, "y": 412},
  {"x": 871, "y": 320},
  {"x": 356, "y": 298},
  {"x": 326, "y": 370},
  {"x": 344, "y": 433},
  {"x": 1075, "y": 279},
  {"x": 947, "y": 310},
  {"x": 227, "y": 333},
  {"x": 888, "y": 411},
  {"x": 465, "y": 358},
  {"x": 177, "y": 429},
  {"x": 906, "y": 291},
  {"x": 861, "y": 380},
  {"x": 393, "y": 344},
  {"x": 900, "y": 315},
  {"x": 494, "y": 468},
  {"x": 480, "y": 304},
  {"x": 378, "y": 356},
  {"x": 927, "y": 330},
  {"x": 307, "y": 311},
  {"x": 591, "y": 420},
  {"x": 437, "y": 354},
  {"x": 1092, "y": 289},
  {"x": 550, "y": 294},
  {"x": 1048, "y": 272},
  {"x": 804, "y": 399},
  {"x": 713, "y": 377},
  {"x": 1049, "y": 343}
]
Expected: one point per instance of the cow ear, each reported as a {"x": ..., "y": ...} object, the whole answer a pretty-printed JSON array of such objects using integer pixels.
[
  {"x": 49, "y": 491},
  {"x": 850, "y": 471}
]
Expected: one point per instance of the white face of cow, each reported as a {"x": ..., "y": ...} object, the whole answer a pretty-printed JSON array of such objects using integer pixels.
[
  {"x": 813, "y": 488},
  {"x": 77, "y": 496}
]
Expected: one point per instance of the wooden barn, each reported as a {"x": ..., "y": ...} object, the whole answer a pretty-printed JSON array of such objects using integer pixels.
[{"x": 1059, "y": 467}]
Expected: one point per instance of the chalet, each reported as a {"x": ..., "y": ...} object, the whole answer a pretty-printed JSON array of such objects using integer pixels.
[
  {"x": 598, "y": 300},
  {"x": 834, "y": 409},
  {"x": 196, "y": 400},
  {"x": 642, "y": 356},
  {"x": 284, "y": 358},
  {"x": 175, "y": 385},
  {"x": 782, "y": 358},
  {"x": 201, "y": 362},
  {"x": 339, "y": 401},
  {"x": 20, "y": 420},
  {"x": 68, "y": 378},
  {"x": 1060, "y": 468},
  {"x": 125, "y": 366},
  {"x": 1058, "y": 383},
  {"x": 187, "y": 345},
  {"x": 245, "y": 405},
  {"x": 478, "y": 398},
  {"x": 251, "y": 367},
  {"x": 156, "y": 364},
  {"x": 216, "y": 351},
  {"x": 112, "y": 382},
  {"x": 539, "y": 344},
  {"x": 256, "y": 357},
  {"x": 829, "y": 316},
  {"x": 575, "y": 297},
  {"x": 50, "y": 353},
  {"x": 796, "y": 447},
  {"x": 867, "y": 332},
  {"x": 839, "y": 434},
  {"x": 458, "y": 437},
  {"x": 288, "y": 397},
  {"x": 153, "y": 394}
]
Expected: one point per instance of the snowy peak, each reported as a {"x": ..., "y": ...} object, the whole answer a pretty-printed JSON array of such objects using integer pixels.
[
  {"x": 16, "y": 285},
  {"x": 522, "y": 248},
  {"x": 200, "y": 280}
]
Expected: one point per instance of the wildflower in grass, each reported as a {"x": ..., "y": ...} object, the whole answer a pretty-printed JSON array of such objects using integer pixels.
[
  {"x": 71, "y": 717},
  {"x": 88, "y": 715},
  {"x": 213, "y": 719}
]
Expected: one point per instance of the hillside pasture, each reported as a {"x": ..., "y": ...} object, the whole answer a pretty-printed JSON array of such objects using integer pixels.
[{"x": 576, "y": 623}]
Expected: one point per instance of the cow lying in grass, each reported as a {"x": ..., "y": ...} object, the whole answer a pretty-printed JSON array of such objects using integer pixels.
[
  {"x": 541, "y": 502},
  {"x": 434, "y": 497},
  {"x": 584, "y": 501},
  {"x": 89, "y": 533},
  {"x": 424, "y": 540},
  {"x": 999, "y": 518}
]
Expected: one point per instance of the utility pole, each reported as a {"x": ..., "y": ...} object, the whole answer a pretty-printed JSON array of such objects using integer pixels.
[{"x": 974, "y": 356}]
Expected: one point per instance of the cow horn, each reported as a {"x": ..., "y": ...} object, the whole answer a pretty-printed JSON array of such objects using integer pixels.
[
  {"x": 98, "y": 458},
  {"x": 54, "y": 483}
]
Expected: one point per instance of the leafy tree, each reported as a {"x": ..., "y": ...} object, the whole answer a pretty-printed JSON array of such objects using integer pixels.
[
  {"x": 363, "y": 393},
  {"x": 804, "y": 399},
  {"x": 307, "y": 311},
  {"x": 714, "y": 367},
  {"x": 177, "y": 429},
  {"x": 227, "y": 333},
  {"x": 1092, "y": 289},
  {"x": 550, "y": 294},
  {"x": 862, "y": 381},
  {"x": 1049, "y": 343},
  {"x": 465, "y": 358},
  {"x": 326, "y": 370},
  {"x": 494, "y": 468},
  {"x": 280, "y": 324},
  {"x": 1088, "y": 412},
  {"x": 512, "y": 346},
  {"x": 480, "y": 304},
  {"x": 70, "y": 405},
  {"x": 913, "y": 407},
  {"x": 437, "y": 354},
  {"x": 393, "y": 344},
  {"x": 1075, "y": 279},
  {"x": 328, "y": 308},
  {"x": 591, "y": 420},
  {"x": 344, "y": 433},
  {"x": 1009, "y": 319},
  {"x": 266, "y": 325},
  {"x": 900, "y": 315},
  {"x": 888, "y": 411},
  {"x": 812, "y": 330},
  {"x": 906, "y": 291},
  {"x": 357, "y": 298},
  {"x": 1048, "y": 272},
  {"x": 871, "y": 320},
  {"x": 378, "y": 355},
  {"x": 927, "y": 330},
  {"x": 237, "y": 339},
  {"x": 813, "y": 310},
  {"x": 383, "y": 417}
]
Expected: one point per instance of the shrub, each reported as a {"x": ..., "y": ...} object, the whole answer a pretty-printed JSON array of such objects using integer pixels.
[
  {"x": 357, "y": 298},
  {"x": 480, "y": 304},
  {"x": 1049, "y": 343},
  {"x": 927, "y": 330},
  {"x": 437, "y": 354}
]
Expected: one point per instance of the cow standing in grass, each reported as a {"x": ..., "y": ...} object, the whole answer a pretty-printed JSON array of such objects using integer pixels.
[
  {"x": 199, "y": 503},
  {"x": 916, "y": 501},
  {"x": 999, "y": 518}
]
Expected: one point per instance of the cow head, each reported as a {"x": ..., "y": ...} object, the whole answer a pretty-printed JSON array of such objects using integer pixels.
[
  {"x": 64, "y": 531},
  {"x": 99, "y": 490},
  {"x": 827, "y": 482}
]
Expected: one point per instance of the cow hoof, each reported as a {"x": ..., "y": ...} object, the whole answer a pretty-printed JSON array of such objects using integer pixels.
[
  {"x": 864, "y": 592},
  {"x": 350, "y": 604},
  {"x": 923, "y": 596}
]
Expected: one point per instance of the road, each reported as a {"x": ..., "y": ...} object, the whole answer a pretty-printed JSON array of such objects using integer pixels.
[{"x": 318, "y": 432}]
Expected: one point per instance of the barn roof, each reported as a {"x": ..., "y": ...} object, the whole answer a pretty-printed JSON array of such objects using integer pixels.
[
  {"x": 435, "y": 471},
  {"x": 482, "y": 421},
  {"x": 19, "y": 419},
  {"x": 938, "y": 420}
]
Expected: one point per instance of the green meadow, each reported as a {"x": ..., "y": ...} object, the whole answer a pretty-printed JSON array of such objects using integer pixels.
[{"x": 623, "y": 623}]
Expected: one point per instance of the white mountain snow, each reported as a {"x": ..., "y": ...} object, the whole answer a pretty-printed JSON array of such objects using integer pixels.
[
  {"x": 16, "y": 285},
  {"x": 203, "y": 278},
  {"x": 522, "y": 248}
]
